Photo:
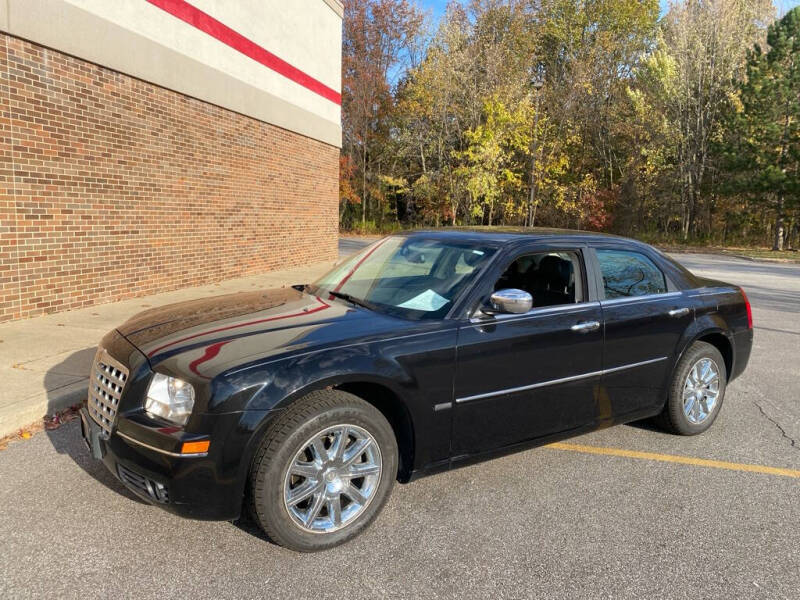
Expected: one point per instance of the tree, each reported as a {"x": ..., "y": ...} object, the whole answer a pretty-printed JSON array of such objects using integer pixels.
[
  {"x": 380, "y": 37},
  {"x": 633, "y": 125},
  {"x": 491, "y": 166},
  {"x": 707, "y": 39},
  {"x": 763, "y": 143}
]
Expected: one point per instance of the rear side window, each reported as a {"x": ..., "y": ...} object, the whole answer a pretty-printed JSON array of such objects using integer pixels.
[{"x": 629, "y": 274}]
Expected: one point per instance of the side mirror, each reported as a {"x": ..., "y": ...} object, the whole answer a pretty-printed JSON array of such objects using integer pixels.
[{"x": 511, "y": 301}]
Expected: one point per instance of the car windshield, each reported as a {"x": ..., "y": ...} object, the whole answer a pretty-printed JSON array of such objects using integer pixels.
[{"x": 411, "y": 277}]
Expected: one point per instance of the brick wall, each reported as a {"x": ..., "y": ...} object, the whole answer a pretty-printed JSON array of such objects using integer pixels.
[{"x": 111, "y": 188}]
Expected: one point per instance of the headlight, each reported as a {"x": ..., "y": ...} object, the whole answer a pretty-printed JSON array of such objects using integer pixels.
[{"x": 170, "y": 398}]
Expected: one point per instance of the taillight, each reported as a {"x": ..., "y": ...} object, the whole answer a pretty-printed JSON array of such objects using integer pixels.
[{"x": 749, "y": 310}]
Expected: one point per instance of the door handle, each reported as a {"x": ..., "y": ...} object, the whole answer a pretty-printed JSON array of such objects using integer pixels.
[
  {"x": 586, "y": 326},
  {"x": 678, "y": 312}
]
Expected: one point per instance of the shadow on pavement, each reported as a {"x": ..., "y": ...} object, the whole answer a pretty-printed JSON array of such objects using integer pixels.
[{"x": 67, "y": 439}]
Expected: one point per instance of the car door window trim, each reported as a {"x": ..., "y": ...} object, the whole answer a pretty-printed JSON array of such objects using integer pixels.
[
  {"x": 561, "y": 380},
  {"x": 645, "y": 298},
  {"x": 535, "y": 313}
]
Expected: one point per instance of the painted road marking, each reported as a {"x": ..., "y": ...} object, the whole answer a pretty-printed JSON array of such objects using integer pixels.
[{"x": 671, "y": 458}]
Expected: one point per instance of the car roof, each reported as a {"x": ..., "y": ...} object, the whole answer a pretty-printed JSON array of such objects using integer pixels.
[{"x": 507, "y": 235}]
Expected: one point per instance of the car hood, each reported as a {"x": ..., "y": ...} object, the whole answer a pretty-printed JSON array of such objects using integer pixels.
[{"x": 207, "y": 336}]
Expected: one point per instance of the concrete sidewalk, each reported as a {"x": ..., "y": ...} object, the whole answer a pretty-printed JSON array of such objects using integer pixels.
[{"x": 45, "y": 361}]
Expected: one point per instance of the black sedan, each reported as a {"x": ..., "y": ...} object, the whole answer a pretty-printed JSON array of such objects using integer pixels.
[{"x": 424, "y": 352}]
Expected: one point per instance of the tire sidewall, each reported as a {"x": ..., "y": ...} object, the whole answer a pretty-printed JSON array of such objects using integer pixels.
[
  {"x": 696, "y": 352},
  {"x": 270, "y": 506}
]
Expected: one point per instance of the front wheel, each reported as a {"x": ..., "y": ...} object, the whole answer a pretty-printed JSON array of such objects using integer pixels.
[
  {"x": 323, "y": 471},
  {"x": 696, "y": 392}
]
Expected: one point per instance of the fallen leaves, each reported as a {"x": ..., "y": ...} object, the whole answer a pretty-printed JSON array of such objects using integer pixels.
[
  {"x": 58, "y": 419},
  {"x": 48, "y": 423}
]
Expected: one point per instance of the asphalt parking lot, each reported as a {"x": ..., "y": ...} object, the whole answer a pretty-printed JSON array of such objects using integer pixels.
[{"x": 561, "y": 522}]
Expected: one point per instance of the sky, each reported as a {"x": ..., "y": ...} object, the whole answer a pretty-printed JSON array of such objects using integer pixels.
[{"x": 437, "y": 6}]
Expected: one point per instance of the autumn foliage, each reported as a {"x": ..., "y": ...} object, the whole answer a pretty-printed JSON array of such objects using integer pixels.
[{"x": 576, "y": 113}]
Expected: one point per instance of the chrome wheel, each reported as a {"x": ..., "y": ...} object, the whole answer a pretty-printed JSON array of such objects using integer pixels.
[
  {"x": 701, "y": 390},
  {"x": 332, "y": 478}
]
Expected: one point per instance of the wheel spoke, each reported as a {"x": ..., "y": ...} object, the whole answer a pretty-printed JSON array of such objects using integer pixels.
[
  {"x": 316, "y": 506},
  {"x": 688, "y": 407},
  {"x": 301, "y": 492},
  {"x": 305, "y": 469},
  {"x": 354, "y": 494},
  {"x": 704, "y": 370},
  {"x": 320, "y": 452},
  {"x": 335, "y": 510},
  {"x": 356, "y": 450},
  {"x": 337, "y": 450},
  {"x": 700, "y": 412},
  {"x": 693, "y": 377},
  {"x": 362, "y": 470}
]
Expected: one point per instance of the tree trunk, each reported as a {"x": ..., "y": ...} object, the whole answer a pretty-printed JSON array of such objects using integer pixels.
[{"x": 779, "y": 228}]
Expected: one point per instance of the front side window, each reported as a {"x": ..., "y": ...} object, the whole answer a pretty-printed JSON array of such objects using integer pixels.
[
  {"x": 551, "y": 278},
  {"x": 411, "y": 277},
  {"x": 629, "y": 274}
]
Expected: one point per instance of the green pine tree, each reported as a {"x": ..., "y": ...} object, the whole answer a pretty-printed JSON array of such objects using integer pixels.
[{"x": 762, "y": 145}]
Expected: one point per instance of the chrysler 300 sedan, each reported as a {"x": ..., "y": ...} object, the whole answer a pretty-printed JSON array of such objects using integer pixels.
[{"x": 426, "y": 351}]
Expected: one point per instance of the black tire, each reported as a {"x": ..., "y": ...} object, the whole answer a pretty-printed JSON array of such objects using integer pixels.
[
  {"x": 673, "y": 418},
  {"x": 286, "y": 437}
]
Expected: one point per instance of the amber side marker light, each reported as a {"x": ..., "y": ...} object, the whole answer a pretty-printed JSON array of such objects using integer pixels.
[{"x": 195, "y": 447}]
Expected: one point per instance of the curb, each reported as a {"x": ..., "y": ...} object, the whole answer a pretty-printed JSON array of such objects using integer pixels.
[
  {"x": 12, "y": 419},
  {"x": 783, "y": 261}
]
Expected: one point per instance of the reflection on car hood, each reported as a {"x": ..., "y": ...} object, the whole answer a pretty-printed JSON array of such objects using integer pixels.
[{"x": 210, "y": 335}]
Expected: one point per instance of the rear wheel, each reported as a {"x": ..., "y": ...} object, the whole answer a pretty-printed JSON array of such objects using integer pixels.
[
  {"x": 323, "y": 471},
  {"x": 697, "y": 391}
]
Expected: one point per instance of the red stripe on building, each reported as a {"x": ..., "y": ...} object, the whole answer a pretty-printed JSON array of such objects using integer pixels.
[{"x": 208, "y": 24}]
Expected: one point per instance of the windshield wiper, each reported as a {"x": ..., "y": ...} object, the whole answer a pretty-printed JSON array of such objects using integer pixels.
[{"x": 352, "y": 300}]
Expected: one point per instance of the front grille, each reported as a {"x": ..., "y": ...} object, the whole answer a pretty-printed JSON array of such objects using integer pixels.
[
  {"x": 143, "y": 485},
  {"x": 105, "y": 389}
]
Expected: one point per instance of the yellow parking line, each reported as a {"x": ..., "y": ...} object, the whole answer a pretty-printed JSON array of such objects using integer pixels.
[{"x": 684, "y": 460}]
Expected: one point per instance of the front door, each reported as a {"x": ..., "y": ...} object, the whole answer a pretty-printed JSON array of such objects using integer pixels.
[{"x": 521, "y": 377}]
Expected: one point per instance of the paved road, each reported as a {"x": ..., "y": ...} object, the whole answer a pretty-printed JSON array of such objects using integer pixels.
[{"x": 544, "y": 523}]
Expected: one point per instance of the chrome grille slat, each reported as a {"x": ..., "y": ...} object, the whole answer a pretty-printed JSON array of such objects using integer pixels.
[{"x": 106, "y": 385}]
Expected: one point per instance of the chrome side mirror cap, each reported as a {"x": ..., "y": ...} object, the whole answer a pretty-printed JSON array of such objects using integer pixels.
[{"x": 511, "y": 301}]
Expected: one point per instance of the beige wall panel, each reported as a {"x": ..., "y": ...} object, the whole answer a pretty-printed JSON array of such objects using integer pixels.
[{"x": 140, "y": 39}]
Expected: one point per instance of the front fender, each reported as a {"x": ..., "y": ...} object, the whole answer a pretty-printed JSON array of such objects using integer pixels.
[
  {"x": 294, "y": 378},
  {"x": 417, "y": 370}
]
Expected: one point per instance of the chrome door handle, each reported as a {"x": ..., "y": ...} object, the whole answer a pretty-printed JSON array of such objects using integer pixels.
[
  {"x": 586, "y": 326},
  {"x": 678, "y": 312}
]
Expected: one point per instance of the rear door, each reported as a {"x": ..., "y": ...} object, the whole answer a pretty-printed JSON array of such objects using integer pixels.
[
  {"x": 521, "y": 377},
  {"x": 645, "y": 315}
]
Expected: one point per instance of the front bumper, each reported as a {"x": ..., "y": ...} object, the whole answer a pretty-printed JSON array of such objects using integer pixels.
[
  {"x": 145, "y": 454},
  {"x": 197, "y": 487}
]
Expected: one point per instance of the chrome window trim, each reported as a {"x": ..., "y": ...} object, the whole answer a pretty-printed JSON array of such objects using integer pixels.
[
  {"x": 702, "y": 294},
  {"x": 644, "y": 298},
  {"x": 542, "y": 384},
  {"x": 159, "y": 450},
  {"x": 534, "y": 313}
]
